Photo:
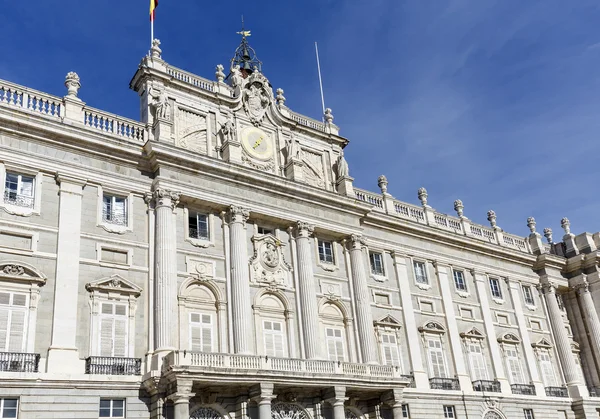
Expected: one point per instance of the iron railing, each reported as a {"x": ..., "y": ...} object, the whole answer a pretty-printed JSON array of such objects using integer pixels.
[
  {"x": 198, "y": 234},
  {"x": 19, "y": 362},
  {"x": 114, "y": 217},
  {"x": 487, "y": 386},
  {"x": 410, "y": 378},
  {"x": 113, "y": 366},
  {"x": 594, "y": 391},
  {"x": 557, "y": 392},
  {"x": 13, "y": 198},
  {"x": 527, "y": 389},
  {"x": 440, "y": 383}
]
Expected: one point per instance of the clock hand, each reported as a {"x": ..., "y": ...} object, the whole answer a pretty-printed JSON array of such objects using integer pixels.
[{"x": 257, "y": 143}]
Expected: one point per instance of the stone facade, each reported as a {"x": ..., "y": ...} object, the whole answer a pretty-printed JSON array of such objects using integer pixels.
[{"x": 215, "y": 261}]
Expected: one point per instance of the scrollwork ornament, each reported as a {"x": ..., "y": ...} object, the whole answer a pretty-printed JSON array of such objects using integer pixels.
[
  {"x": 305, "y": 229},
  {"x": 357, "y": 241},
  {"x": 166, "y": 197},
  {"x": 238, "y": 214},
  {"x": 13, "y": 270}
]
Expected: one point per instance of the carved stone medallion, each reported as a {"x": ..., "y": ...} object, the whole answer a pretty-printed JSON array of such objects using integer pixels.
[
  {"x": 256, "y": 97},
  {"x": 268, "y": 265}
]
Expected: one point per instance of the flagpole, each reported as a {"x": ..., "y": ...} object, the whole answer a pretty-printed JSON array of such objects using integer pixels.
[
  {"x": 320, "y": 82},
  {"x": 151, "y": 31}
]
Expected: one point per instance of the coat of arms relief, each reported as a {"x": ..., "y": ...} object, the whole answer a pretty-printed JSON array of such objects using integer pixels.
[
  {"x": 268, "y": 265},
  {"x": 257, "y": 95}
]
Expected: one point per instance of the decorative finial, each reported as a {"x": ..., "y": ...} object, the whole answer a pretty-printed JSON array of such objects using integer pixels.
[
  {"x": 155, "y": 50},
  {"x": 566, "y": 225},
  {"x": 548, "y": 234},
  {"x": 531, "y": 224},
  {"x": 458, "y": 207},
  {"x": 328, "y": 116},
  {"x": 491, "y": 216},
  {"x": 219, "y": 74},
  {"x": 73, "y": 84},
  {"x": 382, "y": 182},
  {"x": 422, "y": 195},
  {"x": 279, "y": 97}
]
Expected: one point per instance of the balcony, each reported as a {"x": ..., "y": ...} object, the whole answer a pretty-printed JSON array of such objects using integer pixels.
[
  {"x": 526, "y": 389},
  {"x": 594, "y": 391},
  {"x": 557, "y": 392},
  {"x": 440, "y": 383},
  {"x": 490, "y": 386},
  {"x": 114, "y": 217},
  {"x": 19, "y": 362},
  {"x": 12, "y": 198},
  {"x": 113, "y": 366},
  {"x": 249, "y": 367},
  {"x": 410, "y": 378}
]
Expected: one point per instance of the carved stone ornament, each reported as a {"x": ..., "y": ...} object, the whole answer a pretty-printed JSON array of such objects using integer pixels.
[
  {"x": 280, "y": 98},
  {"x": 566, "y": 225},
  {"x": 165, "y": 197},
  {"x": 21, "y": 272},
  {"x": 13, "y": 270},
  {"x": 73, "y": 84},
  {"x": 422, "y": 195},
  {"x": 492, "y": 414},
  {"x": 155, "y": 50},
  {"x": 491, "y": 216},
  {"x": 548, "y": 234},
  {"x": 161, "y": 105},
  {"x": 459, "y": 207},
  {"x": 219, "y": 74},
  {"x": 304, "y": 229},
  {"x": 382, "y": 182},
  {"x": 432, "y": 327},
  {"x": 238, "y": 214},
  {"x": 357, "y": 241},
  {"x": 228, "y": 131},
  {"x": 328, "y": 116},
  {"x": 288, "y": 411},
  {"x": 256, "y": 97},
  {"x": 205, "y": 413},
  {"x": 268, "y": 265},
  {"x": 114, "y": 283},
  {"x": 531, "y": 224}
]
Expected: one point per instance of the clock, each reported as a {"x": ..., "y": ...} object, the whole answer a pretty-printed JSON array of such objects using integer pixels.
[{"x": 257, "y": 143}]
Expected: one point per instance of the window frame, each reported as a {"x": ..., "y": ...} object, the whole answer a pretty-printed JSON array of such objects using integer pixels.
[
  {"x": 192, "y": 324},
  {"x": 528, "y": 414},
  {"x": 109, "y": 211},
  {"x": 271, "y": 332},
  {"x": 442, "y": 353},
  {"x": 372, "y": 263},
  {"x": 337, "y": 339},
  {"x": 128, "y": 208},
  {"x": 419, "y": 283},
  {"x": 405, "y": 410},
  {"x": 263, "y": 231},
  {"x": 471, "y": 355},
  {"x": 464, "y": 288},
  {"x": 5, "y": 169},
  {"x": 513, "y": 347},
  {"x": 496, "y": 294},
  {"x": 3, "y": 407},
  {"x": 449, "y": 411},
  {"x": 199, "y": 242},
  {"x": 323, "y": 255},
  {"x": 111, "y": 407},
  {"x": 194, "y": 215},
  {"x": 529, "y": 300},
  {"x": 12, "y": 310}
]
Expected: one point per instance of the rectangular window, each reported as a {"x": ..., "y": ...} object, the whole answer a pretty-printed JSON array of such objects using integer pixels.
[
  {"x": 198, "y": 226},
  {"x": 513, "y": 364},
  {"x": 13, "y": 318},
  {"x": 112, "y": 408},
  {"x": 420, "y": 272},
  {"x": 114, "y": 209},
  {"x": 477, "y": 362},
  {"x": 547, "y": 369},
  {"x": 560, "y": 302},
  {"x": 335, "y": 344},
  {"x": 376, "y": 260},
  {"x": 19, "y": 190},
  {"x": 495, "y": 288},
  {"x": 449, "y": 412},
  {"x": 389, "y": 347},
  {"x": 325, "y": 251},
  {"x": 114, "y": 340},
  {"x": 459, "y": 280},
  {"x": 405, "y": 411},
  {"x": 273, "y": 336},
  {"x": 528, "y": 295},
  {"x": 528, "y": 413},
  {"x": 201, "y": 332},
  {"x": 264, "y": 231},
  {"x": 436, "y": 358},
  {"x": 9, "y": 408}
]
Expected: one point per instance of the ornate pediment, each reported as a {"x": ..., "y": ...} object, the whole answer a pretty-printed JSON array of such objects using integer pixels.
[
  {"x": 472, "y": 333},
  {"x": 268, "y": 264},
  {"x": 115, "y": 284},
  {"x": 542, "y": 343},
  {"x": 432, "y": 327},
  {"x": 387, "y": 321},
  {"x": 509, "y": 338},
  {"x": 20, "y": 272}
]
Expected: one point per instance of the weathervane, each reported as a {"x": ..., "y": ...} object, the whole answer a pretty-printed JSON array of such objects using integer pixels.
[
  {"x": 243, "y": 32},
  {"x": 245, "y": 56}
]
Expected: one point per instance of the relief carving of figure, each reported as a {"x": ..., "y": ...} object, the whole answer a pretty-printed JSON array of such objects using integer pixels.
[
  {"x": 228, "y": 130},
  {"x": 256, "y": 97},
  {"x": 162, "y": 105},
  {"x": 342, "y": 166},
  {"x": 236, "y": 76},
  {"x": 270, "y": 255},
  {"x": 292, "y": 149}
]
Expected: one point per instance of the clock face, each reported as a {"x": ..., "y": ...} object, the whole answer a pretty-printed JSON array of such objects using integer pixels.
[{"x": 257, "y": 143}]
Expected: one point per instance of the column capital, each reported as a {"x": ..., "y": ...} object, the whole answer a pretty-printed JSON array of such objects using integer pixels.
[
  {"x": 262, "y": 393},
  {"x": 336, "y": 396},
  {"x": 393, "y": 397},
  {"x": 238, "y": 214},
  {"x": 304, "y": 229},
  {"x": 357, "y": 241},
  {"x": 163, "y": 198},
  {"x": 548, "y": 288},
  {"x": 582, "y": 286}
]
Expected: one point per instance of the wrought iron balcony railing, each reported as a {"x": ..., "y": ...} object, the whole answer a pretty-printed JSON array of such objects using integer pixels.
[
  {"x": 487, "y": 386},
  {"x": 440, "y": 383},
  {"x": 527, "y": 389},
  {"x": 114, "y": 217},
  {"x": 557, "y": 392},
  {"x": 113, "y": 366},
  {"x": 594, "y": 391},
  {"x": 19, "y": 362},
  {"x": 410, "y": 378},
  {"x": 13, "y": 198},
  {"x": 194, "y": 233}
]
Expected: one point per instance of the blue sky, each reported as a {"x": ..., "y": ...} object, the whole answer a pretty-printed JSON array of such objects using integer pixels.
[{"x": 493, "y": 102}]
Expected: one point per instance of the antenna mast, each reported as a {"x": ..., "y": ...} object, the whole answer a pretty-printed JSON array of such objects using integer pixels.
[{"x": 320, "y": 83}]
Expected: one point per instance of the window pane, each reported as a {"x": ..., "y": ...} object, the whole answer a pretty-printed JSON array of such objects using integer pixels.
[
  {"x": 12, "y": 182},
  {"x": 203, "y": 226},
  {"x": 420, "y": 273},
  {"x": 459, "y": 281},
  {"x": 26, "y": 188}
]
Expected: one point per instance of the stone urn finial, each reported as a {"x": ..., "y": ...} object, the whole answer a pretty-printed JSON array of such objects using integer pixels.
[
  {"x": 459, "y": 207},
  {"x": 279, "y": 97},
  {"x": 548, "y": 234},
  {"x": 328, "y": 116},
  {"x": 422, "y": 195},
  {"x": 531, "y": 224},
  {"x": 155, "y": 51},
  {"x": 219, "y": 74},
  {"x": 382, "y": 182},
  {"x": 566, "y": 225},
  {"x": 73, "y": 84},
  {"x": 491, "y": 216}
]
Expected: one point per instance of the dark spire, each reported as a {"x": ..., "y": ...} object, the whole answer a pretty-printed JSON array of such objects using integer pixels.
[{"x": 245, "y": 56}]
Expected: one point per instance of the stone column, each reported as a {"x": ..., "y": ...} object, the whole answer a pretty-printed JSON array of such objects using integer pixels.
[
  {"x": 590, "y": 317},
  {"x": 481, "y": 285},
  {"x": 240, "y": 285},
  {"x": 263, "y": 395},
  {"x": 165, "y": 271},
  {"x": 336, "y": 397},
  {"x": 307, "y": 291},
  {"x": 181, "y": 400},
  {"x": 362, "y": 301},
  {"x": 63, "y": 355},
  {"x": 562, "y": 341},
  {"x": 393, "y": 398}
]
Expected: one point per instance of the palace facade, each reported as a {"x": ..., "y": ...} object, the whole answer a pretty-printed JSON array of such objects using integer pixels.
[{"x": 214, "y": 261}]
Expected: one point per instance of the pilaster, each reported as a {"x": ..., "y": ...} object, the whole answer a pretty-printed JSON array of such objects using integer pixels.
[
  {"x": 63, "y": 355},
  {"x": 344, "y": 186},
  {"x": 453, "y": 334},
  {"x": 181, "y": 400},
  {"x": 590, "y": 316},
  {"x": 294, "y": 169},
  {"x": 362, "y": 301},
  {"x": 410, "y": 324},
  {"x": 163, "y": 129}
]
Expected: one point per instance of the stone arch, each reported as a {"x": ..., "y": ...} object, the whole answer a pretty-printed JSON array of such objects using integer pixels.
[
  {"x": 493, "y": 414},
  {"x": 434, "y": 327},
  {"x": 326, "y": 304},
  {"x": 271, "y": 298},
  {"x": 285, "y": 410},
  {"x": 13, "y": 270},
  {"x": 191, "y": 284},
  {"x": 212, "y": 411}
]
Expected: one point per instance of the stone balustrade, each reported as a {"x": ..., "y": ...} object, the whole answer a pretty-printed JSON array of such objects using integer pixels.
[
  {"x": 202, "y": 361},
  {"x": 30, "y": 100},
  {"x": 114, "y": 125},
  {"x": 307, "y": 122},
  {"x": 190, "y": 78}
]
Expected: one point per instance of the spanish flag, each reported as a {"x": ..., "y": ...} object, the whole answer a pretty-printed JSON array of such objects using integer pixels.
[{"x": 153, "y": 5}]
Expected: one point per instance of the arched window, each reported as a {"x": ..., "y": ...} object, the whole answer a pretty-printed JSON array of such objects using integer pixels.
[
  {"x": 273, "y": 325},
  {"x": 204, "y": 412},
  {"x": 284, "y": 410},
  {"x": 334, "y": 326}
]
